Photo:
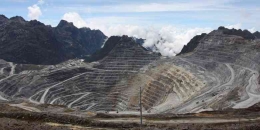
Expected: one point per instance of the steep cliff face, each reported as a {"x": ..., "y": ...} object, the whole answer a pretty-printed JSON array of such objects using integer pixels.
[
  {"x": 103, "y": 52},
  {"x": 194, "y": 42},
  {"x": 32, "y": 42},
  {"x": 243, "y": 33},
  {"x": 109, "y": 45},
  {"x": 257, "y": 34}
]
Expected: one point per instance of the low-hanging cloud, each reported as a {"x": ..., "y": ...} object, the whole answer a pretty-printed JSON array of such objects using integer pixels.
[
  {"x": 75, "y": 18},
  {"x": 34, "y": 12},
  {"x": 168, "y": 40}
]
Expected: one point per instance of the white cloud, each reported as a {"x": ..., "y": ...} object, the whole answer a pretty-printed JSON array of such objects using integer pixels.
[
  {"x": 75, "y": 18},
  {"x": 235, "y": 26},
  {"x": 169, "y": 40},
  {"x": 252, "y": 30},
  {"x": 197, "y": 5},
  {"x": 34, "y": 12}
]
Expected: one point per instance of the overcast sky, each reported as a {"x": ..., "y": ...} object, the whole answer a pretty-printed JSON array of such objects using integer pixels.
[{"x": 174, "y": 21}]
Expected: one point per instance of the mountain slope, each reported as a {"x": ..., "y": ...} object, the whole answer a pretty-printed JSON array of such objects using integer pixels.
[
  {"x": 227, "y": 61},
  {"x": 103, "y": 52},
  {"x": 99, "y": 86},
  {"x": 108, "y": 46},
  {"x": 32, "y": 42}
]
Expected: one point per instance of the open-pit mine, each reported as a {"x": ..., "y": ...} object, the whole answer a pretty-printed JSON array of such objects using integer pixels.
[{"x": 217, "y": 72}]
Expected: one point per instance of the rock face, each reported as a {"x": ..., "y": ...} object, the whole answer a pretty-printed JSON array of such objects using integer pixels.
[
  {"x": 257, "y": 34},
  {"x": 103, "y": 52},
  {"x": 216, "y": 71},
  {"x": 111, "y": 43},
  {"x": 32, "y": 42},
  {"x": 192, "y": 44},
  {"x": 245, "y": 33}
]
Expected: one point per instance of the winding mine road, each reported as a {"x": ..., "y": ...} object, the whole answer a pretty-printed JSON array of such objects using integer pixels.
[
  {"x": 192, "y": 106},
  {"x": 251, "y": 90},
  {"x": 78, "y": 99},
  {"x": 22, "y": 106},
  {"x": 2, "y": 70},
  {"x": 42, "y": 100},
  {"x": 2, "y": 98},
  {"x": 180, "y": 120},
  {"x": 10, "y": 75}
]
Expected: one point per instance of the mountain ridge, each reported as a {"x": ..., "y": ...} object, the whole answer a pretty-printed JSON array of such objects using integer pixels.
[
  {"x": 32, "y": 42},
  {"x": 194, "y": 42}
]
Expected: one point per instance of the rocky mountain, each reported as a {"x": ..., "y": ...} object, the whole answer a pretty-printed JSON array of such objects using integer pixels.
[
  {"x": 109, "y": 46},
  {"x": 196, "y": 40},
  {"x": 32, "y": 42},
  {"x": 257, "y": 34},
  {"x": 215, "y": 71},
  {"x": 103, "y": 52},
  {"x": 192, "y": 44}
]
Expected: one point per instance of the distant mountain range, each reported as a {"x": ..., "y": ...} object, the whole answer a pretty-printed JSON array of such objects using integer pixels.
[{"x": 32, "y": 42}]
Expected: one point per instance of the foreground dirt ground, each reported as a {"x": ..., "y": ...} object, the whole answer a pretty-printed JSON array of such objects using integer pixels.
[
  {"x": 13, "y": 124},
  {"x": 29, "y": 117}
]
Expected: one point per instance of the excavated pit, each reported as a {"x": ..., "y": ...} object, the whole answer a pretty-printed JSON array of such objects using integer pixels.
[{"x": 221, "y": 71}]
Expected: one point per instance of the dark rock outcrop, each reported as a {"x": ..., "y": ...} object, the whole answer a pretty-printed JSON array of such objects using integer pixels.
[
  {"x": 257, "y": 34},
  {"x": 114, "y": 42},
  {"x": 32, "y": 42},
  {"x": 100, "y": 54},
  {"x": 192, "y": 44},
  {"x": 245, "y": 33},
  {"x": 3, "y": 19}
]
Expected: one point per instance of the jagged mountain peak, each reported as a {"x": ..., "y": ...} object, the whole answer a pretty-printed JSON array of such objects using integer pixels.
[
  {"x": 3, "y": 17},
  {"x": 216, "y": 37},
  {"x": 64, "y": 23},
  {"x": 127, "y": 40},
  {"x": 194, "y": 42},
  {"x": 36, "y": 23},
  {"x": 18, "y": 19},
  {"x": 238, "y": 32},
  {"x": 117, "y": 43},
  {"x": 32, "y": 42},
  {"x": 85, "y": 29},
  {"x": 257, "y": 34}
]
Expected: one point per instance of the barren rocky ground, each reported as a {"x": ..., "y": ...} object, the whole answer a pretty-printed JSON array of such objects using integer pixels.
[{"x": 13, "y": 117}]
